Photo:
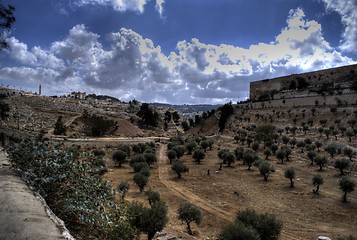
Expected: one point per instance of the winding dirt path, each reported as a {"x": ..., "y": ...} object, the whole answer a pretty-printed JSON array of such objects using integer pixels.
[{"x": 184, "y": 193}]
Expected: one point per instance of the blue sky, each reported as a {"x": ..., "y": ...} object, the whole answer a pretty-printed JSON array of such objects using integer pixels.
[{"x": 173, "y": 51}]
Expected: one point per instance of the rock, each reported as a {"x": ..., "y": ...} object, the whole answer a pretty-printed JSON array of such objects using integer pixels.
[{"x": 323, "y": 238}]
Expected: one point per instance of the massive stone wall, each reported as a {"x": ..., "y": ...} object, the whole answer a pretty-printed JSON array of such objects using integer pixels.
[{"x": 341, "y": 75}]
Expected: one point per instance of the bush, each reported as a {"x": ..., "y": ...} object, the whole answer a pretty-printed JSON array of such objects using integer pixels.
[
  {"x": 98, "y": 126},
  {"x": 267, "y": 225},
  {"x": 226, "y": 111},
  {"x": 238, "y": 231},
  {"x": 60, "y": 128},
  {"x": 70, "y": 191}
]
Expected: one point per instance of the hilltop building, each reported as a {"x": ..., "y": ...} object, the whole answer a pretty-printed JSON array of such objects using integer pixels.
[{"x": 78, "y": 95}]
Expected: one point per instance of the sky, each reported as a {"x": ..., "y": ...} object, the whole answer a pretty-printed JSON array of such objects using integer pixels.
[{"x": 173, "y": 51}]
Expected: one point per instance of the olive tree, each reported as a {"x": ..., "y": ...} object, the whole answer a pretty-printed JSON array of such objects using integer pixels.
[
  {"x": 123, "y": 188},
  {"x": 348, "y": 152},
  {"x": 342, "y": 164},
  {"x": 141, "y": 180},
  {"x": 171, "y": 154},
  {"x": 188, "y": 213},
  {"x": 149, "y": 220},
  {"x": 321, "y": 161},
  {"x": 290, "y": 173},
  {"x": 317, "y": 180},
  {"x": 347, "y": 185},
  {"x": 267, "y": 225},
  {"x": 198, "y": 155},
  {"x": 179, "y": 167},
  {"x": 119, "y": 157},
  {"x": 265, "y": 169}
]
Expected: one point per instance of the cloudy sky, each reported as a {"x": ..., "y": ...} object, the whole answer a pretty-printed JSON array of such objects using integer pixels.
[{"x": 173, "y": 51}]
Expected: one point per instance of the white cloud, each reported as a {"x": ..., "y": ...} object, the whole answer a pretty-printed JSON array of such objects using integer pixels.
[
  {"x": 120, "y": 5},
  {"x": 159, "y": 6},
  {"x": 348, "y": 12},
  {"x": 133, "y": 67}
]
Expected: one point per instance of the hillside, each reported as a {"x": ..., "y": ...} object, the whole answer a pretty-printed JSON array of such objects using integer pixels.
[{"x": 318, "y": 122}]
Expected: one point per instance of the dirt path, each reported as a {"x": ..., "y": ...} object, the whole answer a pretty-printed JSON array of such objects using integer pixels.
[
  {"x": 24, "y": 215},
  {"x": 187, "y": 195}
]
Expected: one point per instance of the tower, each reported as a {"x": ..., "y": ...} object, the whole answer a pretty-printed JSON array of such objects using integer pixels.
[{"x": 39, "y": 89}]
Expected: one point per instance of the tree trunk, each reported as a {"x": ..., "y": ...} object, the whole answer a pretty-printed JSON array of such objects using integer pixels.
[
  {"x": 189, "y": 228},
  {"x": 178, "y": 175},
  {"x": 291, "y": 183},
  {"x": 344, "y": 197},
  {"x": 151, "y": 235}
]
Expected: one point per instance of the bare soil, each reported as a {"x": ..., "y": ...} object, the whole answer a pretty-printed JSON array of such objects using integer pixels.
[{"x": 222, "y": 194}]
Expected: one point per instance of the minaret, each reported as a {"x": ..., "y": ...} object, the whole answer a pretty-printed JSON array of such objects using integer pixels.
[{"x": 39, "y": 89}]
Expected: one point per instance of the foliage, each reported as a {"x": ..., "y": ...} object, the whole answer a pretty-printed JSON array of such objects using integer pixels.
[
  {"x": 331, "y": 149},
  {"x": 171, "y": 154},
  {"x": 137, "y": 159},
  {"x": 290, "y": 173},
  {"x": 198, "y": 155},
  {"x": 228, "y": 158},
  {"x": 188, "y": 212},
  {"x": 98, "y": 126},
  {"x": 149, "y": 117},
  {"x": 119, "y": 157},
  {"x": 321, "y": 161},
  {"x": 125, "y": 148},
  {"x": 153, "y": 196},
  {"x": 204, "y": 144},
  {"x": 347, "y": 185},
  {"x": 311, "y": 155},
  {"x": 149, "y": 220},
  {"x": 267, "y": 153},
  {"x": 150, "y": 158},
  {"x": 249, "y": 158},
  {"x": 302, "y": 83},
  {"x": 266, "y": 224},
  {"x": 238, "y": 231},
  {"x": 226, "y": 111},
  {"x": 179, "y": 167},
  {"x": 264, "y": 132},
  {"x": 342, "y": 164},
  {"x": 317, "y": 180},
  {"x": 140, "y": 180},
  {"x": 265, "y": 169},
  {"x": 4, "y": 109},
  {"x": 60, "y": 128},
  {"x": 180, "y": 150},
  {"x": 348, "y": 152},
  {"x": 123, "y": 188},
  {"x": 72, "y": 193},
  {"x": 6, "y": 20},
  {"x": 190, "y": 146}
]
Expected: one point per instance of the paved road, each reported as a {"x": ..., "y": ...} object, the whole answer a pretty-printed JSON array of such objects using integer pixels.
[{"x": 23, "y": 215}]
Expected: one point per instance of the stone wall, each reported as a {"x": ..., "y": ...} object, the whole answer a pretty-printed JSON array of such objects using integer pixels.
[{"x": 340, "y": 75}]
